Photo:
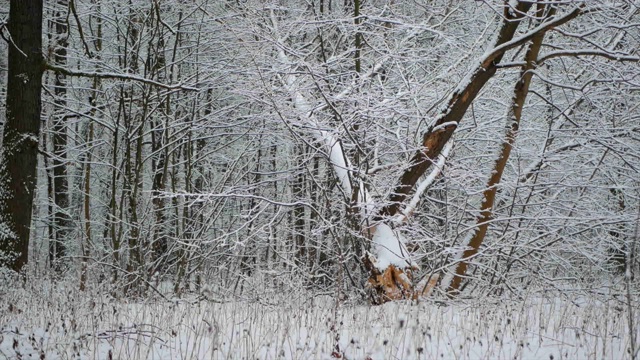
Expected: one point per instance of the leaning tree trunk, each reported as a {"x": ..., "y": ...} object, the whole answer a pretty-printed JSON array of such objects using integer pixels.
[
  {"x": 393, "y": 282},
  {"x": 436, "y": 138},
  {"x": 442, "y": 129},
  {"x": 19, "y": 155},
  {"x": 489, "y": 195}
]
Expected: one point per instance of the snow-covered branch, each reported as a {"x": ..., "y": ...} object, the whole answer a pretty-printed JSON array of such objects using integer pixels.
[
  {"x": 119, "y": 76},
  {"x": 588, "y": 52},
  {"x": 335, "y": 152},
  {"x": 545, "y": 26},
  {"x": 424, "y": 185}
]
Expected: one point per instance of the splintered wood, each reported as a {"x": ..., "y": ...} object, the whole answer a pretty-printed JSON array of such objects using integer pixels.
[
  {"x": 396, "y": 284},
  {"x": 392, "y": 284}
]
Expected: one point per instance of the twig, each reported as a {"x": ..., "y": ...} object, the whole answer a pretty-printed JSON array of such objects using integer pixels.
[
  {"x": 106, "y": 75},
  {"x": 9, "y": 40}
]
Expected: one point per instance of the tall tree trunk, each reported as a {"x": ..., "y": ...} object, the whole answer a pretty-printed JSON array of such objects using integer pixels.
[
  {"x": 358, "y": 38},
  {"x": 61, "y": 220},
  {"x": 251, "y": 251},
  {"x": 112, "y": 225},
  {"x": 298, "y": 191},
  {"x": 86, "y": 204},
  {"x": 87, "y": 241},
  {"x": 19, "y": 156},
  {"x": 159, "y": 134},
  {"x": 520, "y": 93},
  {"x": 134, "y": 118}
]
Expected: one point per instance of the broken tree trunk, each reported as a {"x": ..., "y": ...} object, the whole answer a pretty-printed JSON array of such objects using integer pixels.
[
  {"x": 392, "y": 282},
  {"x": 439, "y": 133},
  {"x": 389, "y": 265}
]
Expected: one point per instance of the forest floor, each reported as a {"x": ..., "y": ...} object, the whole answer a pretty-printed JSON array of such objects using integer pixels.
[{"x": 45, "y": 322}]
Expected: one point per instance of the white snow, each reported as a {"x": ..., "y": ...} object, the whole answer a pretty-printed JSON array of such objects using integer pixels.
[
  {"x": 66, "y": 324},
  {"x": 341, "y": 165},
  {"x": 424, "y": 185},
  {"x": 389, "y": 248}
]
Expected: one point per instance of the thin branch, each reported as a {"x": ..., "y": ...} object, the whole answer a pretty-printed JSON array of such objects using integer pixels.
[
  {"x": 157, "y": 7},
  {"x": 120, "y": 76},
  {"x": 542, "y": 28},
  {"x": 585, "y": 52},
  {"x": 72, "y": 6},
  {"x": 9, "y": 40},
  {"x": 375, "y": 169}
]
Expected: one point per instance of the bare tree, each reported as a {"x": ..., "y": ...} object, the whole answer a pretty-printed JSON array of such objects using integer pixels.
[
  {"x": 18, "y": 157},
  {"x": 61, "y": 220}
]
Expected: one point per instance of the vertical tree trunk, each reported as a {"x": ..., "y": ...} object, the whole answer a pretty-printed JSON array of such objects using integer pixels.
[
  {"x": 358, "y": 38},
  {"x": 159, "y": 134},
  {"x": 19, "y": 157},
  {"x": 159, "y": 242},
  {"x": 133, "y": 118},
  {"x": 84, "y": 244},
  {"x": 251, "y": 251},
  {"x": 298, "y": 191},
  {"x": 178, "y": 224},
  {"x": 111, "y": 220},
  {"x": 61, "y": 220},
  {"x": 87, "y": 240},
  {"x": 50, "y": 205}
]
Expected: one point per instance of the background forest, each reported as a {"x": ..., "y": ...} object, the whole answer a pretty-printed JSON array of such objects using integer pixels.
[{"x": 367, "y": 150}]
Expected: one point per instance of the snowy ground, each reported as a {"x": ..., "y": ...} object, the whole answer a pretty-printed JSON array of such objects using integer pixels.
[{"x": 60, "y": 324}]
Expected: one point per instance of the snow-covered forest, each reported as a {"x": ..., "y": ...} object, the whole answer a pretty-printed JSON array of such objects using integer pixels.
[{"x": 357, "y": 179}]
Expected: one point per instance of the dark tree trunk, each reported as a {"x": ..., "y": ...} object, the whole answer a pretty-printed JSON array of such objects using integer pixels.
[
  {"x": 61, "y": 219},
  {"x": 19, "y": 157},
  {"x": 159, "y": 244}
]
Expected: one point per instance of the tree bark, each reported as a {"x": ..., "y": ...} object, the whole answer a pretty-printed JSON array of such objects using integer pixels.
[
  {"x": 442, "y": 129},
  {"x": 439, "y": 133},
  {"x": 61, "y": 220},
  {"x": 393, "y": 283},
  {"x": 19, "y": 157},
  {"x": 520, "y": 93},
  {"x": 134, "y": 117}
]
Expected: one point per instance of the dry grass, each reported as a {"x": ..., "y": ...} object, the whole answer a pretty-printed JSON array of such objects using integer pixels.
[{"x": 62, "y": 323}]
